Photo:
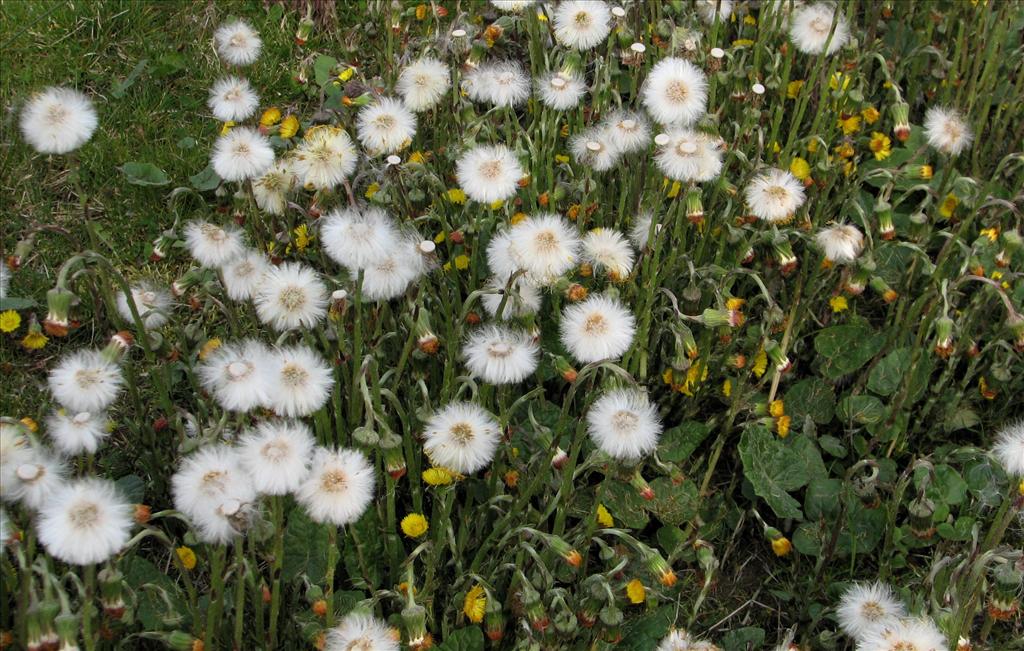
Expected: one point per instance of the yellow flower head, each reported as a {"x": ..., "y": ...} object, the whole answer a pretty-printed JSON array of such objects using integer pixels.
[
  {"x": 30, "y": 423},
  {"x": 302, "y": 238},
  {"x": 561, "y": 158},
  {"x": 289, "y": 127},
  {"x": 849, "y": 124},
  {"x": 438, "y": 476},
  {"x": 462, "y": 262},
  {"x": 781, "y": 546},
  {"x": 226, "y": 127},
  {"x": 991, "y": 233},
  {"x": 880, "y": 145},
  {"x": 838, "y": 304},
  {"x": 782, "y": 426},
  {"x": 949, "y": 205},
  {"x": 414, "y": 525},
  {"x": 457, "y": 196},
  {"x": 497, "y": 204},
  {"x": 793, "y": 88},
  {"x": 760, "y": 363},
  {"x": 777, "y": 408},
  {"x": 800, "y": 169},
  {"x": 475, "y": 604},
  {"x": 211, "y": 345},
  {"x": 636, "y": 592},
  {"x": 34, "y": 340},
  {"x": 270, "y": 117},
  {"x": 9, "y": 321},
  {"x": 727, "y": 388},
  {"x": 417, "y": 158},
  {"x": 837, "y": 79},
  {"x": 604, "y": 518},
  {"x": 187, "y": 556},
  {"x": 371, "y": 190},
  {"x": 347, "y": 73},
  {"x": 870, "y": 115}
]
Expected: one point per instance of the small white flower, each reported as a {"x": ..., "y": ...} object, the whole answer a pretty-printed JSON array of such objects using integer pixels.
[
  {"x": 594, "y": 149},
  {"x": 277, "y": 455},
  {"x": 58, "y": 120},
  {"x": 213, "y": 490},
  {"x": 707, "y": 9},
  {"x": 628, "y": 131},
  {"x": 237, "y": 43},
  {"x": 689, "y": 156},
  {"x": 597, "y": 329},
  {"x": 607, "y": 249},
  {"x": 545, "y": 245},
  {"x": 357, "y": 631},
  {"x": 237, "y": 375},
  {"x": 522, "y": 299},
  {"x": 211, "y": 245},
  {"x": 462, "y": 437},
  {"x": 624, "y": 424},
  {"x": 560, "y": 91},
  {"x": 300, "y": 382},
  {"x": 904, "y": 635},
  {"x": 291, "y": 295},
  {"x": 1009, "y": 448},
  {"x": 842, "y": 243},
  {"x": 502, "y": 83},
  {"x": 867, "y": 606},
  {"x": 232, "y": 99},
  {"x": 500, "y": 355},
  {"x": 640, "y": 232},
  {"x": 489, "y": 173},
  {"x": 326, "y": 157},
  {"x": 271, "y": 190},
  {"x": 389, "y": 276},
  {"x": 774, "y": 195},
  {"x": 675, "y": 92},
  {"x": 947, "y": 131},
  {"x": 85, "y": 522},
  {"x": 75, "y": 433},
  {"x": 810, "y": 26},
  {"x": 38, "y": 475},
  {"x": 423, "y": 84},
  {"x": 582, "y": 24},
  {"x": 243, "y": 275},
  {"x": 86, "y": 381},
  {"x": 241, "y": 154},
  {"x": 338, "y": 488},
  {"x": 385, "y": 126},
  {"x": 153, "y": 305},
  {"x": 512, "y": 6},
  {"x": 356, "y": 239}
]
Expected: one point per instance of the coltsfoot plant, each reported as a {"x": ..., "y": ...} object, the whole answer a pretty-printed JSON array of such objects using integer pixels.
[{"x": 536, "y": 325}]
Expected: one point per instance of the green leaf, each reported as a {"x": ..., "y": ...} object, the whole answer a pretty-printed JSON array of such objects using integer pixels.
[
  {"x": 464, "y": 639},
  {"x": 832, "y": 445},
  {"x": 862, "y": 409},
  {"x": 624, "y": 503},
  {"x": 322, "y": 69},
  {"x": 169, "y": 64},
  {"x": 961, "y": 418},
  {"x": 886, "y": 376},
  {"x": 644, "y": 633},
  {"x": 810, "y": 457},
  {"x": 305, "y": 548},
  {"x": 120, "y": 87},
  {"x": 773, "y": 469},
  {"x": 743, "y": 639},
  {"x": 144, "y": 174},
  {"x": 947, "y": 486},
  {"x": 132, "y": 488},
  {"x": 673, "y": 503},
  {"x": 15, "y": 303},
  {"x": 188, "y": 142},
  {"x": 205, "y": 180},
  {"x": 846, "y": 348},
  {"x": 679, "y": 442},
  {"x": 811, "y": 397},
  {"x": 822, "y": 499},
  {"x": 151, "y": 610}
]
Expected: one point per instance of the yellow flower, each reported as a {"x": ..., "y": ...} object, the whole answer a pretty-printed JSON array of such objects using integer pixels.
[
  {"x": 462, "y": 262},
  {"x": 542, "y": 17},
  {"x": 781, "y": 546},
  {"x": 270, "y": 117},
  {"x": 845, "y": 150},
  {"x": 561, "y": 158},
  {"x": 414, "y": 525},
  {"x": 31, "y": 424},
  {"x": 749, "y": 20},
  {"x": 421, "y": 11},
  {"x": 604, "y": 518},
  {"x": 495, "y": 205},
  {"x": 800, "y": 169},
  {"x": 793, "y": 88},
  {"x": 438, "y": 476},
  {"x": 9, "y": 321},
  {"x": 34, "y": 340},
  {"x": 210, "y": 346},
  {"x": 870, "y": 115},
  {"x": 475, "y": 604},
  {"x": 187, "y": 556},
  {"x": 1020, "y": 487},
  {"x": 727, "y": 388},
  {"x": 417, "y": 158},
  {"x": 812, "y": 146},
  {"x": 880, "y": 145},
  {"x": 373, "y": 189},
  {"x": 949, "y": 204},
  {"x": 991, "y": 233},
  {"x": 782, "y": 426},
  {"x": 347, "y": 73},
  {"x": 226, "y": 127},
  {"x": 837, "y": 79},
  {"x": 839, "y": 304},
  {"x": 849, "y": 167},
  {"x": 849, "y": 124},
  {"x": 742, "y": 42},
  {"x": 440, "y": 237},
  {"x": 777, "y": 408},
  {"x": 760, "y": 363},
  {"x": 302, "y": 238},
  {"x": 636, "y": 592},
  {"x": 457, "y": 196},
  {"x": 674, "y": 190},
  {"x": 289, "y": 127},
  {"x": 775, "y": 147},
  {"x": 518, "y": 217}
]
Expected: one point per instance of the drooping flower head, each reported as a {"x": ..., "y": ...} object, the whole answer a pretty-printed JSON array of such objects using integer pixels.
[
  {"x": 810, "y": 26},
  {"x": 356, "y": 239},
  {"x": 237, "y": 375},
  {"x": 607, "y": 249},
  {"x": 689, "y": 156},
  {"x": 841, "y": 243},
  {"x": 338, "y": 488},
  {"x": 243, "y": 275},
  {"x": 867, "y": 606},
  {"x": 675, "y": 92},
  {"x": 462, "y": 437},
  {"x": 385, "y": 126},
  {"x": 212, "y": 245},
  {"x": 77, "y": 433},
  {"x": 232, "y": 99},
  {"x": 300, "y": 382},
  {"x": 597, "y": 329},
  {"x": 241, "y": 154},
  {"x": 423, "y": 84},
  {"x": 582, "y": 24},
  {"x": 85, "y": 522},
  {"x": 58, "y": 120},
  {"x": 277, "y": 455},
  {"x": 488, "y": 173},
  {"x": 545, "y": 245},
  {"x": 237, "y": 43},
  {"x": 152, "y": 303},
  {"x": 500, "y": 355},
  {"x": 86, "y": 380},
  {"x": 521, "y": 299},
  {"x": 624, "y": 424},
  {"x": 560, "y": 90},
  {"x": 326, "y": 157},
  {"x": 774, "y": 195},
  {"x": 357, "y": 631},
  {"x": 947, "y": 131}
]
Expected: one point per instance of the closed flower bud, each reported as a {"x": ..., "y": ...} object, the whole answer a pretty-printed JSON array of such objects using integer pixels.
[
  {"x": 901, "y": 121},
  {"x": 641, "y": 485},
  {"x": 921, "y": 510},
  {"x": 660, "y": 568},
  {"x": 885, "y": 226},
  {"x": 58, "y": 303},
  {"x": 777, "y": 356},
  {"x": 565, "y": 369},
  {"x": 394, "y": 462},
  {"x": 559, "y": 459},
  {"x": 943, "y": 336},
  {"x": 494, "y": 620},
  {"x": 883, "y": 289},
  {"x": 694, "y": 207},
  {"x": 784, "y": 255},
  {"x": 414, "y": 620}
]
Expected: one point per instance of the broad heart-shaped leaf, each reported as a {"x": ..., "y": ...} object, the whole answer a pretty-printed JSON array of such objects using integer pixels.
[
  {"x": 644, "y": 633},
  {"x": 811, "y": 397},
  {"x": 862, "y": 409},
  {"x": 15, "y": 303},
  {"x": 305, "y": 548},
  {"x": 773, "y": 468},
  {"x": 623, "y": 502},
  {"x": 205, "y": 180},
  {"x": 144, "y": 174},
  {"x": 151, "y": 609},
  {"x": 673, "y": 503},
  {"x": 893, "y": 262},
  {"x": 679, "y": 442},
  {"x": 890, "y": 373},
  {"x": 322, "y": 69},
  {"x": 741, "y": 639},
  {"x": 464, "y": 639},
  {"x": 846, "y": 348}
]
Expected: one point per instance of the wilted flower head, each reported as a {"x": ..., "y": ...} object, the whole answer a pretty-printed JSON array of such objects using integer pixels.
[
  {"x": 326, "y": 157},
  {"x": 582, "y": 24},
  {"x": 237, "y": 43},
  {"x": 37, "y": 475},
  {"x": 947, "y": 131},
  {"x": 359, "y": 631},
  {"x": 291, "y": 295},
  {"x": 608, "y": 249},
  {"x": 707, "y": 9},
  {"x": 232, "y": 99},
  {"x": 86, "y": 380},
  {"x": 595, "y": 149},
  {"x": 867, "y": 606},
  {"x": 241, "y": 154},
  {"x": 810, "y": 26},
  {"x": 488, "y": 173},
  {"x": 390, "y": 275},
  {"x": 624, "y": 424},
  {"x": 675, "y": 92},
  {"x": 904, "y": 635},
  {"x": 213, "y": 490},
  {"x": 628, "y": 131},
  {"x": 774, "y": 195},
  {"x": 300, "y": 382},
  {"x": 277, "y": 455},
  {"x": 271, "y": 190},
  {"x": 212, "y": 245},
  {"x": 462, "y": 437},
  {"x": 1009, "y": 448},
  {"x": 385, "y": 126},
  {"x": 545, "y": 245},
  {"x": 500, "y": 355},
  {"x": 75, "y": 433},
  {"x": 85, "y": 522},
  {"x": 58, "y": 120},
  {"x": 560, "y": 90},
  {"x": 338, "y": 488},
  {"x": 842, "y": 243},
  {"x": 152, "y": 303},
  {"x": 690, "y": 156},
  {"x": 423, "y": 83},
  {"x": 237, "y": 375},
  {"x": 243, "y": 275},
  {"x": 597, "y": 329},
  {"x": 501, "y": 83},
  {"x": 356, "y": 239}
]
